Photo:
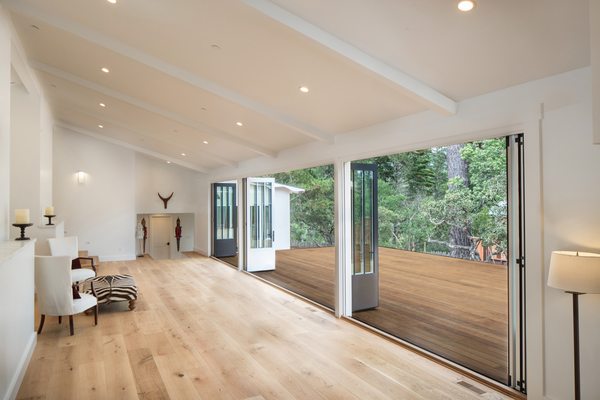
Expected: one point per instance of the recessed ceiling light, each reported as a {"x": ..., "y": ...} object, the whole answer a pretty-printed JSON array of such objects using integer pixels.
[
  {"x": 168, "y": 162},
  {"x": 112, "y": 1},
  {"x": 102, "y": 105},
  {"x": 183, "y": 154},
  {"x": 466, "y": 5},
  {"x": 303, "y": 89},
  {"x": 205, "y": 142},
  {"x": 105, "y": 70},
  {"x": 100, "y": 126},
  {"x": 239, "y": 123}
]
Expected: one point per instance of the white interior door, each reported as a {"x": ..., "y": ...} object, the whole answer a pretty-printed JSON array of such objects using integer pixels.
[
  {"x": 259, "y": 224},
  {"x": 160, "y": 236}
]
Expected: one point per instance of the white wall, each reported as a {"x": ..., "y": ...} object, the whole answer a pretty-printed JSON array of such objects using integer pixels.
[
  {"x": 25, "y": 154},
  {"x": 154, "y": 176},
  {"x": 567, "y": 127},
  {"x": 203, "y": 215},
  {"x": 120, "y": 185},
  {"x": 4, "y": 124},
  {"x": 100, "y": 212},
  {"x": 571, "y": 185}
]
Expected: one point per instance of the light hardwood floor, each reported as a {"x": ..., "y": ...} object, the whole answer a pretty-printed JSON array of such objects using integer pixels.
[{"x": 202, "y": 330}]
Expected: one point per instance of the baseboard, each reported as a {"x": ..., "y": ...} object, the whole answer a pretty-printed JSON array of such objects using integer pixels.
[
  {"x": 201, "y": 252},
  {"x": 15, "y": 383},
  {"x": 120, "y": 257}
]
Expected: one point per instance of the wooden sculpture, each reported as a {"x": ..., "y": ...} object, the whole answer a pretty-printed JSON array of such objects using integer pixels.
[
  {"x": 145, "y": 234},
  {"x": 178, "y": 232}
]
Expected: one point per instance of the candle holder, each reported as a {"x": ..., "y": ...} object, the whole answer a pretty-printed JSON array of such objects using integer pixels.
[
  {"x": 22, "y": 226},
  {"x": 49, "y": 219}
]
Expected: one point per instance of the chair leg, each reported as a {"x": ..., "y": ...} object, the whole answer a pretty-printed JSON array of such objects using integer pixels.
[
  {"x": 71, "y": 328},
  {"x": 96, "y": 315},
  {"x": 60, "y": 319},
  {"x": 42, "y": 319}
]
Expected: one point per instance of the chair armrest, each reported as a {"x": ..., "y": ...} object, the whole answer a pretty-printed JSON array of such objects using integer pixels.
[{"x": 90, "y": 259}]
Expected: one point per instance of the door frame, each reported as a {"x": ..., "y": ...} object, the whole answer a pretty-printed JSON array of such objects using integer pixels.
[
  {"x": 214, "y": 217},
  {"x": 247, "y": 232}
]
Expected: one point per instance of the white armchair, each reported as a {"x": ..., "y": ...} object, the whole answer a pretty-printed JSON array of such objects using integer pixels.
[
  {"x": 55, "y": 291},
  {"x": 68, "y": 246}
]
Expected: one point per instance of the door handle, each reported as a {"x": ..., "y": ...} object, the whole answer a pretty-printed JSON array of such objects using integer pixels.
[{"x": 168, "y": 243}]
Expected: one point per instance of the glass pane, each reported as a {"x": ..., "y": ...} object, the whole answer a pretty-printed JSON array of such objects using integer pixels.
[
  {"x": 230, "y": 208},
  {"x": 357, "y": 219},
  {"x": 267, "y": 216},
  {"x": 218, "y": 213},
  {"x": 368, "y": 221},
  {"x": 253, "y": 215}
]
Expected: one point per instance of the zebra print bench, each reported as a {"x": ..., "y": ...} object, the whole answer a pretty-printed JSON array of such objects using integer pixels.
[{"x": 112, "y": 288}]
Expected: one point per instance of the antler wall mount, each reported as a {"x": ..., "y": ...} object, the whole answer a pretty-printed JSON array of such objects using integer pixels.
[{"x": 165, "y": 199}]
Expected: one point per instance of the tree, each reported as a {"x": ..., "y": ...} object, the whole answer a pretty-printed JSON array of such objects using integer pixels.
[{"x": 458, "y": 182}]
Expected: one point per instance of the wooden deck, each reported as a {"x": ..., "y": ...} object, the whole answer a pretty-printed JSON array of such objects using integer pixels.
[
  {"x": 205, "y": 331},
  {"x": 454, "y": 308}
]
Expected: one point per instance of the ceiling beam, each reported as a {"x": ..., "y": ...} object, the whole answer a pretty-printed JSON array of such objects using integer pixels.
[
  {"x": 216, "y": 133},
  {"x": 205, "y": 153},
  {"x": 413, "y": 87},
  {"x": 169, "y": 69},
  {"x": 76, "y": 129}
]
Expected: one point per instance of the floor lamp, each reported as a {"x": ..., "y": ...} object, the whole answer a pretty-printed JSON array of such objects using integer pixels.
[{"x": 576, "y": 273}]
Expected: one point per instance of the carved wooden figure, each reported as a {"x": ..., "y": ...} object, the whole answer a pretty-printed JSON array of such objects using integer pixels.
[{"x": 178, "y": 232}]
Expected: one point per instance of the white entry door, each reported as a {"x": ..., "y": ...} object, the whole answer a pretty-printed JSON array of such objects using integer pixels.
[
  {"x": 160, "y": 236},
  {"x": 259, "y": 224}
]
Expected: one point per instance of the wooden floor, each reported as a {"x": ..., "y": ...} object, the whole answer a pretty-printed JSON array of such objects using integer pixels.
[
  {"x": 202, "y": 330},
  {"x": 454, "y": 308}
]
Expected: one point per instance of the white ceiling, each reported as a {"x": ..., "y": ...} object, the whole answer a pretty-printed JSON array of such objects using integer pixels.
[{"x": 170, "y": 88}]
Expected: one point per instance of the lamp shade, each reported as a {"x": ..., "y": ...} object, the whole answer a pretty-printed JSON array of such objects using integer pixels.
[{"x": 574, "y": 271}]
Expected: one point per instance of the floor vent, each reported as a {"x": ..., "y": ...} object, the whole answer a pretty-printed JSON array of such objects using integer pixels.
[{"x": 472, "y": 388}]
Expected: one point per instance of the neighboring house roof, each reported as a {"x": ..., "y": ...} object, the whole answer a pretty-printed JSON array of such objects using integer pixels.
[{"x": 288, "y": 188}]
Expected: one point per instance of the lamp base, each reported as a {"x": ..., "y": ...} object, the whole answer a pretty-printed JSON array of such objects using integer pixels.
[{"x": 49, "y": 219}]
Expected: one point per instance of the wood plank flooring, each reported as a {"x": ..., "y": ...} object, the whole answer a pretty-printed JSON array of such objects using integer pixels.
[
  {"x": 454, "y": 308},
  {"x": 202, "y": 330}
]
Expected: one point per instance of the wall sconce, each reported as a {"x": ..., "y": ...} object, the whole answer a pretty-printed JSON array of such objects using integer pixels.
[{"x": 81, "y": 177}]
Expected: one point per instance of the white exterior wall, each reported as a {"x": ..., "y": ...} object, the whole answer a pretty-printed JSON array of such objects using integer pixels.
[{"x": 281, "y": 218}]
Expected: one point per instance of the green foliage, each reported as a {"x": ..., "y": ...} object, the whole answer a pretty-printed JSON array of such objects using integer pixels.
[
  {"x": 312, "y": 212},
  {"x": 418, "y": 204}
]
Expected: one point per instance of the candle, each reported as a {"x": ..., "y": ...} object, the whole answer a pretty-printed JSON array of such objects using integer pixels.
[
  {"x": 22, "y": 216},
  {"x": 49, "y": 210}
]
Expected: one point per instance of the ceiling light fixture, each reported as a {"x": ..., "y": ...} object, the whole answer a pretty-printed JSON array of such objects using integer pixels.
[
  {"x": 168, "y": 162},
  {"x": 466, "y": 5},
  {"x": 205, "y": 142},
  {"x": 112, "y": 1},
  {"x": 239, "y": 123},
  {"x": 304, "y": 89},
  {"x": 100, "y": 126},
  {"x": 102, "y": 105},
  {"x": 183, "y": 154},
  {"x": 105, "y": 70}
]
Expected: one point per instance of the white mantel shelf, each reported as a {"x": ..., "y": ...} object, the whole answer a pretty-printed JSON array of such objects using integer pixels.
[{"x": 10, "y": 248}]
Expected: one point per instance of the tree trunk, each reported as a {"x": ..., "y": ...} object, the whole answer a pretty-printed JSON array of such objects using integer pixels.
[{"x": 459, "y": 235}]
